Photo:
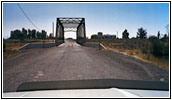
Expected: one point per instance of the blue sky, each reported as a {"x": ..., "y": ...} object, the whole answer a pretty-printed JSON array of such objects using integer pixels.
[{"x": 100, "y": 17}]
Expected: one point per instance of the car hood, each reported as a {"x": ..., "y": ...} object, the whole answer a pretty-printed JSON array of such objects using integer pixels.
[{"x": 97, "y": 93}]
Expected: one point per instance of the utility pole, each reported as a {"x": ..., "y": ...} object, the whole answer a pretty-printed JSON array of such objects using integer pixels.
[{"x": 117, "y": 34}]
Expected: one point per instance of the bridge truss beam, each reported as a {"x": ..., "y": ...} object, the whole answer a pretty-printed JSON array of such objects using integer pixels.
[{"x": 70, "y": 25}]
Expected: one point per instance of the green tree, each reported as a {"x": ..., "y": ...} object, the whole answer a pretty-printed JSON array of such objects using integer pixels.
[
  {"x": 13, "y": 35},
  {"x": 44, "y": 34},
  {"x": 38, "y": 35},
  {"x": 165, "y": 36},
  {"x": 141, "y": 34},
  {"x": 18, "y": 34},
  {"x": 29, "y": 34},
  {"x": 51, "y": 35},
  {"x": 24, "y": 32},
  {"x": 125, "y": 34},
  {"x": 33, "y": 33},
  {"x": 94, "y": 36}
]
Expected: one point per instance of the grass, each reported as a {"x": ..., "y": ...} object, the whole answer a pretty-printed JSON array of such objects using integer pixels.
[
  {"x": 137, "y": 53},
  {"x": 12, "y": 45},
  {"x": 30, "y": 41},
  {"x": 9, "y": 53},
  {"x": 11, "y": 49}
]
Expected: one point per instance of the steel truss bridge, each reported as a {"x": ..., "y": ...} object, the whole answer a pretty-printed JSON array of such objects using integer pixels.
[{"x": 66, "y": 24}]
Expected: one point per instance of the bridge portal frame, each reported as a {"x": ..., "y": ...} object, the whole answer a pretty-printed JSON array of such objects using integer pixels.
[{"x": 79, "y": 29}]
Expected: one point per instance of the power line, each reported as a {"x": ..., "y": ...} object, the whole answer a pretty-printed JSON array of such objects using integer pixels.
[{"x": 27, "y": 16}]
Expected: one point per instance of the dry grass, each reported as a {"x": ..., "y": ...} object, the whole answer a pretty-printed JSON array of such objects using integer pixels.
[
  {"x": 30, "y": 41},
  {"x": 44, "y": 41},
  {"x": 12, "y": 49},
  {"x": 9, "y": 53},
  {"x": 161, "y": 62},
  {"x": 12, "y": 46}
]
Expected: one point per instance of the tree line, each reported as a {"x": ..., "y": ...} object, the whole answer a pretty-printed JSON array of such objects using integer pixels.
[
  {"x": 141, "y": 34},
  {"x": 28, "y": 34}
]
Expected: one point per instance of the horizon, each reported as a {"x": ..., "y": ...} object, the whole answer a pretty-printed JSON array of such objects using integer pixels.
[{"x": 108, "y": 18}]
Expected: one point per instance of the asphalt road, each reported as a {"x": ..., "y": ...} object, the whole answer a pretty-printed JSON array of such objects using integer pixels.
[{"x": 70, "y": 61}]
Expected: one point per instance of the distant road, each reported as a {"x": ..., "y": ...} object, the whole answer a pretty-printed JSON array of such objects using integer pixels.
[{"x": 70, "y": 61}]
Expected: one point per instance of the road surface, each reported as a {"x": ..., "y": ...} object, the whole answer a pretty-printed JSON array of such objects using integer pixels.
[{"x": 70, "y": 61}]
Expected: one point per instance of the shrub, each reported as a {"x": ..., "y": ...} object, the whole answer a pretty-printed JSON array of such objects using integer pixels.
[
  {"x": 166, "y": 50},
  {"x": 157, "y": 48},
  {"x": 144, "y": 50},
  {"x": 94, "y": 36},
  {"x": 153, "y": 38}
]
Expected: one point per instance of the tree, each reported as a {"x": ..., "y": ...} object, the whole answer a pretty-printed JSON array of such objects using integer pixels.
[
  {"x": 158, "y": 35},
  {"x": 165, "y": 36},
  {"x": 94, "y": 36},
  {"x": 29, "y": 34},
  {"x": 24, "y": 32},
  {"x": 38, "y": 35},
  {"x": 44, "y": 34},
  {"x": 125, "y": 34},
  {"x": 33, "y": 33},
  {"x": 51, "y": 35},
  {"x": 141, "y": 34},
  {"x": 17, "y": 34},
  {"x": 12, "y": 35}
]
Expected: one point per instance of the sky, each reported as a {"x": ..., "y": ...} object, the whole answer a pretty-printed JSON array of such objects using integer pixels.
[{"x": 109, "y": 18}]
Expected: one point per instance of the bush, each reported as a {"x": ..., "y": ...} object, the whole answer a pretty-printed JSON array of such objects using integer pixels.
[
  {"x": 94, "y": 36},
  {"x": 144, "y": 50},
  {"x": 166, "y": 50},
  {"x": 153, "y": 38},
  {"x": 157, "y": 48}
]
